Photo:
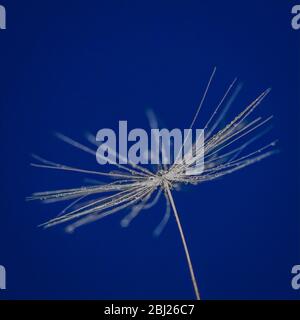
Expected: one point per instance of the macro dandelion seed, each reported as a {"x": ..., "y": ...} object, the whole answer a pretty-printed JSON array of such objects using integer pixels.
[{"x": 138, "y": 187}]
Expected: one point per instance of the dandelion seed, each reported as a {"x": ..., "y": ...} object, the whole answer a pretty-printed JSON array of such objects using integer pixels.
[{"x": 138, "y": 188}]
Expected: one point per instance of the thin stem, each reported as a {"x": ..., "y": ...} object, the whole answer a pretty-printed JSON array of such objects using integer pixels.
[{"x": 183, "y": 242}]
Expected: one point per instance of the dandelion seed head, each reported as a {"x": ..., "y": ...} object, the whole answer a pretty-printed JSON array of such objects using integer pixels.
[{"x": 136, "y": 188}]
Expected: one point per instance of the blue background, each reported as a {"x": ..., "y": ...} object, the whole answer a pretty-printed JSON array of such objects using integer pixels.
[{"x": 77, "y": 66}]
